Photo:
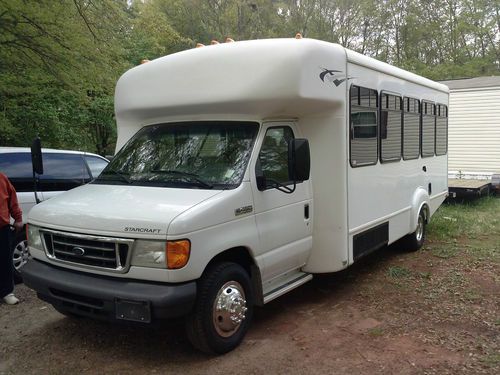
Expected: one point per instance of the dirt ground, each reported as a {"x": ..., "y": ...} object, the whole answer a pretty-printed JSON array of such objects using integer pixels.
[{"x": 435, "y": 311}]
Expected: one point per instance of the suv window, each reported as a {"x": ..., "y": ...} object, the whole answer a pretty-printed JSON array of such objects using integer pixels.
[
  {"x": 96, "y": 165},
  {"x": 17, "y": 167},
  {"x": 63, "y": 172}
]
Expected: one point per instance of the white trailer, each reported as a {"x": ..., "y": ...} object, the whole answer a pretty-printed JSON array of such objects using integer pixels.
[{"x": 208, "y": 208}]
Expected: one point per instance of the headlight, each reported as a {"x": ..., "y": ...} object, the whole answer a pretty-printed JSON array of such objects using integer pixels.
[
  {"x": 158, "y": 254},
  {"x": 149, "y": 254},
  {"x": 34, "y": 237}
]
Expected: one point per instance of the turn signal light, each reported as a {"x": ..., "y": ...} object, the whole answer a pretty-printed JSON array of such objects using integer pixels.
[{"x": 178, "y": 253}]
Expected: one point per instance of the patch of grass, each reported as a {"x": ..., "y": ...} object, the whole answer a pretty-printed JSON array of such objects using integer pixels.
[
  {"x": 425, "y": 275},
  {"x": 491, "y": 360},
  {"x": 376, "y": 332},
  {"x": 444, "y": 251},
  {"x": 398, "y": 272},
  {"x": 472, "y": 296},
  {"x": 469, "y": 219},
  {"x": 485, "y": 251}
]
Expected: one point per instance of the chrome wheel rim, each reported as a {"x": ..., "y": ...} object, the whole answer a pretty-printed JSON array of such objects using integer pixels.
[
  {"x": 229, "y": 308},
  {"x": 420, "y": 228},
  {"x": 20, "y": 255}
]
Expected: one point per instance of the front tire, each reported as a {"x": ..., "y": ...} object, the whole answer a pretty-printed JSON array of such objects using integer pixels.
[
  {"x": 223, "y": 310},
  {"x": 20, "y": 256},
  {"x": 415, "y": 240}
]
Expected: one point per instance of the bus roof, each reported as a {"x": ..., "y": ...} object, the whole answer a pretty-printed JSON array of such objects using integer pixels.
[{"x": 256, "y": 78}]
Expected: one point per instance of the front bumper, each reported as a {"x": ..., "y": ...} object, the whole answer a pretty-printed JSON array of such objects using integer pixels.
[{"x": 106, "y": 297}]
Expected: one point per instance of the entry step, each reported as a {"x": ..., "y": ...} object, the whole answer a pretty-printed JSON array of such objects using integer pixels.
[{"x": 284, "y": 284}]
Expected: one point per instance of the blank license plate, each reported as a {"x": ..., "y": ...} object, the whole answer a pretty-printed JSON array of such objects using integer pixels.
[{"x": 137, "y": 311}]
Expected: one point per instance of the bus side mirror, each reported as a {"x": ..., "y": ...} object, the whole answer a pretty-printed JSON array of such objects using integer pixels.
[
  {"x": 36, "y": 156},
  {"x": 299, "y": 159}
]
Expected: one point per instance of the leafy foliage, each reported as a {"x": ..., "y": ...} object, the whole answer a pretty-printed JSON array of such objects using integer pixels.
[{"x": 61, "y": 59}]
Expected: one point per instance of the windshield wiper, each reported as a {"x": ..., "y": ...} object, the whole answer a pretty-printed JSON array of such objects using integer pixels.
[
  {"x": 192, "y": 176},
  {"x": 120, "y": 174}
]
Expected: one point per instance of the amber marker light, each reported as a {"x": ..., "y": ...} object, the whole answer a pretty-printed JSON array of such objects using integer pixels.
[{"x": 178, "y": 253}]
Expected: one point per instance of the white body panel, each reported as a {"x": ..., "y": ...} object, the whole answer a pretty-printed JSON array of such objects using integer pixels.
[
  {"x": 303, "y": 84},
  {"x": 394, "y": 191}
]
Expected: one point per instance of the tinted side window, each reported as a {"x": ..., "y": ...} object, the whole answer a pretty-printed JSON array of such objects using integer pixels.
[
  {"x": 17, "y": 167},
  {"x": 442, "y": 130},
  {"x": 363, "y": 123},
  {"x": 96, "y": 165},
  {"x": 390, "y": 127},
  {"x": 428, "y": 128},
  {"x": 411, "y": 129},
  {"x": 273, "y": 155},
  {"x": 63, "y": 171}
]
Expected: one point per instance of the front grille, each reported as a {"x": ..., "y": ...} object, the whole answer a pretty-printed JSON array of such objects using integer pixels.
[{"x": 102, "y": 252}]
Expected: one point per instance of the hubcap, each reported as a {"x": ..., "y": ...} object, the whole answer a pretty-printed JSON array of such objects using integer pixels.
[
  {"x": 20, "y": 255},
  {"x": 420, "y": 228},
  {"x": 229, "y": 308}
]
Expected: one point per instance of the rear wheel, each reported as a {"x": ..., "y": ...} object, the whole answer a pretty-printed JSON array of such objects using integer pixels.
[
  {"x": 223, "y": 309},
  {"x": 415, "y": 240}
]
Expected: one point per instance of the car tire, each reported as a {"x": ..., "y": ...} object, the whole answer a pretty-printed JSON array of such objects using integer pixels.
[
  {"x": 20, "y": 255},
  {"x": 223, "y": 309}
]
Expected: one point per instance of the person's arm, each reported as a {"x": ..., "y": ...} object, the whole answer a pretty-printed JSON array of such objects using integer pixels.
[{"x": 14, "y": 209}]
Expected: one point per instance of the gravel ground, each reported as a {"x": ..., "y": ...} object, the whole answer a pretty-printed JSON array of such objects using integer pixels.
[{"x": 393, "y": 313}]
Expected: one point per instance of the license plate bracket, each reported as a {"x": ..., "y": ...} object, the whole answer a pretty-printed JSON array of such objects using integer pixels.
[{"x": 137, "y": 311}]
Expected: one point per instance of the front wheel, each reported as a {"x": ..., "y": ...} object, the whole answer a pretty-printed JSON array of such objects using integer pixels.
[
  {"x": 20, "y": 256},
  {"x": 223, "y": 309},
  {"x": 415, "y": 240}
]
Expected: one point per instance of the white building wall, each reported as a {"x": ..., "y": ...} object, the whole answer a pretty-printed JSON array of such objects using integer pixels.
[{"x": 474, "y": 132}]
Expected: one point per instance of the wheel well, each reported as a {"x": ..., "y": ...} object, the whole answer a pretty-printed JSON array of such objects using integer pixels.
[{"x": 239, "y": 255}]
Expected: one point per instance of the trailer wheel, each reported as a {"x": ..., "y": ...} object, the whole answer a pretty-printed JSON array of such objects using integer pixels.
[
  {"x": 223, "y": 309},
  {"x": 415, "y": 240}
]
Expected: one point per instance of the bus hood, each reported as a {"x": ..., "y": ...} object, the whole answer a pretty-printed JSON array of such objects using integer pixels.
[{"x": 118, "y": 210}]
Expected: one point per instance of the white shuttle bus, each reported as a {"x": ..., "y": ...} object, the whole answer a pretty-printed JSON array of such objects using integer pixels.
[{"x": 242, "y": 169}]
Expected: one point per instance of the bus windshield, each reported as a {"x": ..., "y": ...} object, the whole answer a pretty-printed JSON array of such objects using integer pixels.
[{"x": 202, "y": 155}]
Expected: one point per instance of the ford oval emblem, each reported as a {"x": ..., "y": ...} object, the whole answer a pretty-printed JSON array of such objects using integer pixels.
[{"x": 78, "y": 251}]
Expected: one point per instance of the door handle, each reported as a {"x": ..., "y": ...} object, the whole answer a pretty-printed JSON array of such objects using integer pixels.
[{"x": 306, "y": 211}]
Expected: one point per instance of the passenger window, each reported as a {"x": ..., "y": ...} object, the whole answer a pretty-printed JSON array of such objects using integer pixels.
[
  {"x": 17, "y": 167},
  {"x": 363, "y": 125},
  {"x": 411, "y": 129},
  {"x": 390, "y": 128},
  {"x": 442, "y": 130},
  {"x": 428, "y": 128},
  {"x": 63, "y": 171},
  {"x": 96, "y": 165},
  {"x": 273, "y": 155}
]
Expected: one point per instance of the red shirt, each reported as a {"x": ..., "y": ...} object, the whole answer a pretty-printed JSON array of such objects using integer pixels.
[{"x": 8, "y": 202}]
